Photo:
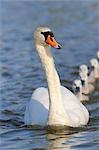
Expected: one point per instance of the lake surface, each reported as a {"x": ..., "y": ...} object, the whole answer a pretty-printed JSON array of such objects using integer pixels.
[{"x": 76, "y": 26}]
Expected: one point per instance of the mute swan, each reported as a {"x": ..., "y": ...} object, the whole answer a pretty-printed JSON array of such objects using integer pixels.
[
  {"x": 95, "y": 67},
  {"x": 86, "y": 86},
  {"x": 56, "y": 105},
  {"x": 77, "y": 88},
  {"x": 87, "y": 71}
]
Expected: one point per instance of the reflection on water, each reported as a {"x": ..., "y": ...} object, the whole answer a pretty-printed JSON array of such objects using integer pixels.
[
  {"x": 58, "y": 142},
  {"x": 76, "y": 27}
]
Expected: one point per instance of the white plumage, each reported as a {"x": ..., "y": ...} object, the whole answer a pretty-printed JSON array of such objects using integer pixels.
[
  {"x": 95, "y": 64},
  {"x": 56, "y": 105},
  {"x": 77, "y": 88},
  {"x": 87, "y": 86}
]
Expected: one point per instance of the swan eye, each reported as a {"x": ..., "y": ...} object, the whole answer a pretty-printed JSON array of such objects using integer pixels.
[{"x": 48, "y": 33}]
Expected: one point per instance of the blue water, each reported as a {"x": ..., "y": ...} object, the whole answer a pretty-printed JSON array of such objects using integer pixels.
[{"x": 75, "y": 24}]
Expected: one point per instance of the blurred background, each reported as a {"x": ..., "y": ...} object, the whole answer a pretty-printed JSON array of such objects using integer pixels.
[{"x": 76, "y": 26}]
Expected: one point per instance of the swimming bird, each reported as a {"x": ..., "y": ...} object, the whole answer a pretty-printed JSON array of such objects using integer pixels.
[
  {"x": 77, "y": 88},
  {"x": 87, "y": 87},
  {"x": 87, "y": 71},
  {"x": 95, "y": 67},
  {"x": 56, "y": 105}
]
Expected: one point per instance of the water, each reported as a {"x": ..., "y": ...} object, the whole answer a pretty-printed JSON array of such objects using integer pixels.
[{"x": 75, "y": 24}]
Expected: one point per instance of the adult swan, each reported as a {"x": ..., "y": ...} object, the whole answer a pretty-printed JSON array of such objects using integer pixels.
[{"x": 56, "y": 105}]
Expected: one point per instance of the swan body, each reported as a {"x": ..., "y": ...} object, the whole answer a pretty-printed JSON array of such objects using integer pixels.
[
  {"x": 56, "y": 105},
  {"x": 77, "y": 88},
  {"x": 95, "y": 65},
  {"x": 39, "y": 107}
]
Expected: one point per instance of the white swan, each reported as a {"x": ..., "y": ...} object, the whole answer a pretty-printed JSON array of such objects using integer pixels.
[
  {"x": 55, "y": 105},
  {"x": 95, "y": 67},
  {"x": 87, "y": 71},
  {"x": 86, "y": 86},
  {"x": 77, "y": 88}
]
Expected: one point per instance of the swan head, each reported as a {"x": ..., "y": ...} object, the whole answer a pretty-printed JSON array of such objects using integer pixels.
[
  {"x": 84, "y": 69},
  {"x": 94, "y": 62},
  {"x": 45, "y": 37},
  {"x": 77, "y": 85}
]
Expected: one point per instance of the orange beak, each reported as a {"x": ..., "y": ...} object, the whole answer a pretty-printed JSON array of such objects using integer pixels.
[{"x": 52, "y": 42}]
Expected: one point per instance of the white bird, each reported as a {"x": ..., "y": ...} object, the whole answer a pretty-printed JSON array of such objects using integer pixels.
[
  {"x": 77, "y": 88},
  {"x": 87, "y": 87},
  {"x": 95, "y": 67},
  {"x": 56, "y": 105},
  {"x": 86, "y": 70}
]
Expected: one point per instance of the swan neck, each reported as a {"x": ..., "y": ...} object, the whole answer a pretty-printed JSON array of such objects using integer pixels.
[
  {"x": 50, "y": 72},
  {"x": 56, "y": 107}
]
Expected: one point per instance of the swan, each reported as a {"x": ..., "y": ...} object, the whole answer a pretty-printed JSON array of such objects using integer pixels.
[
  {"x": 86, "y": 86},
  {"x": 86, "y": 70},
  {"x": 56, "y": 105},
  {"x": 95, "y": 67},
  {"x": 77, "y": 88}
]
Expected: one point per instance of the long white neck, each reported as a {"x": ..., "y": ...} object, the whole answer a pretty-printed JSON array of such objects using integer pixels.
[{"x": 56, "y": 107}]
